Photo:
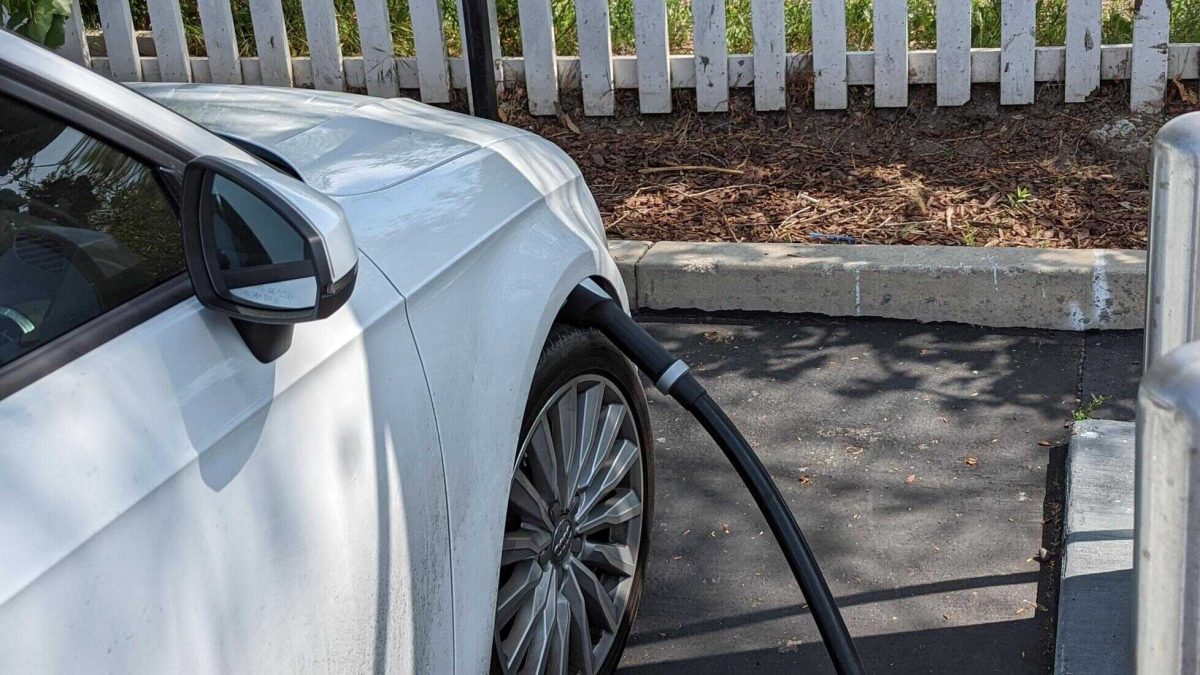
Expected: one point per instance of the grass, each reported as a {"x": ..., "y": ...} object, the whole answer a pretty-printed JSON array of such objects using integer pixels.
[
  {"x": 1019, "y": 197},
  {"x": 1085, "y": 412},
  {"x": 1117, "y": 25}
]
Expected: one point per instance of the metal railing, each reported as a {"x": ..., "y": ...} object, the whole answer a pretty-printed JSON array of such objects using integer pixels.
[{"x": 1166, "y": 545}]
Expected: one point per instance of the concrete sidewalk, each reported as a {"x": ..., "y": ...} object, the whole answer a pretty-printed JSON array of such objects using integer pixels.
[{"x": 921, "y": 460}]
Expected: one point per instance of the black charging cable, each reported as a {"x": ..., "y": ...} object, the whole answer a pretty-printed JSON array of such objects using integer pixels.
[{"x": 589, "y": 305}]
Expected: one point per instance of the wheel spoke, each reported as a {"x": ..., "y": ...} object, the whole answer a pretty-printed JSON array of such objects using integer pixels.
[
  {"x": 559, "y": 653},
  {"x": 524, "y": 579},
  {"x": 563, "y": 424},
  {"x": 613, "y": 471},
  {"x": 580, "y": 637},
  {"x": 612, "y": 418},
  {"x": 623, "y": 506},
  {"x": 610, "y": 558},
  {"x": 528, "y": 504},
  {"x": 543, "y": 460},
  {"x": 538, "y": 654},
  {"x": 524, "y": 628},
  {"x": 589, "y": 416},
  {"x": 523, "y": 544},
  {"x": 598, "y": 601}
]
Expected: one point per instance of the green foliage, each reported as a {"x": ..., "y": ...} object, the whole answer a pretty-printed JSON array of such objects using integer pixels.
[
  {"x": 1116, "y": 24},
  {"x": 1019, "y": 197},
  {"x": 1085, "y": 412},
  {"x": 42, "y": 21}
]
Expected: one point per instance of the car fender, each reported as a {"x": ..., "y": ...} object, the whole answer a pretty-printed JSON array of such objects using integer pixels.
[{"x": 485, "y": 250}]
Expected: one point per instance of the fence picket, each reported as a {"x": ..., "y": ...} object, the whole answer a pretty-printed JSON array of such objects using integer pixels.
[
  {"x": 595, "y": 56},
  {"x": 1082, "y": 77},
  {"x": 74, "y": 46},
  {"x": 953, "y": 52},
  {"x": 653, "y": 70},
  {"x": 124, "y": 63},
  {"x": 378, "y": 50},
  {"x": 1148, "y": 72},
  {"x": 166, "y": 25},
  {"x": 890, "y": 19},
  {"x": 271, "y": 41},
  {"x": 770, "y": 57},
  {"x": 711, "y": 55},
  {"x": 324, "y": 45},
  {"x": 220, "y": 41},
  {"x": 433, "y": 71},
  {"x": 829, "y": 54},
  {"x": 1016, "y": 51},
  {"x": 541, "y": 63}
]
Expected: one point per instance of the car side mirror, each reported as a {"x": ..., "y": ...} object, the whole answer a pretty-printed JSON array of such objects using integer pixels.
[{"x": 265, "y": 249}]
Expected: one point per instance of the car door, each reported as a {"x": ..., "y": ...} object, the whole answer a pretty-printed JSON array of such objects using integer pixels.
[{"x": 168, "y": 503}]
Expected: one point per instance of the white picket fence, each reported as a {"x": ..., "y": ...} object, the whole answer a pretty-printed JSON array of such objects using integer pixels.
[{"x": 1018, "y": 66}]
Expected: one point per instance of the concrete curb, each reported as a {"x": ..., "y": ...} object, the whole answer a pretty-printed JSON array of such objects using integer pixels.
[
  {"x": 1095, "y": 595},
  {"x": 1002, "y": 287}
]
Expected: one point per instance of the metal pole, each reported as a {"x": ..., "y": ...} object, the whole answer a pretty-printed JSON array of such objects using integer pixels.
[
  {"x": 480, "y": 67},
  {"x": 1166, "y": 552},
  {"x": 1173, "y": 290}
]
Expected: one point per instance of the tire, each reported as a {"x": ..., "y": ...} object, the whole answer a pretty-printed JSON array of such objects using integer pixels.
[{"x": 593, "y": 517}]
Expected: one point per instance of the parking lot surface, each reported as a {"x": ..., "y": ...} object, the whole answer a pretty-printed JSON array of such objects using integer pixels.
[{"x": 922, "y": 462}]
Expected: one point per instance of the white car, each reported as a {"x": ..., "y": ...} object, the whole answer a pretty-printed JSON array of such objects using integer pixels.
[{"x": 283, "y": 388}]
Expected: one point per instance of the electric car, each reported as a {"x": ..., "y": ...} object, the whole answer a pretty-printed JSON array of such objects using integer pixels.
[{"x": 284, "y": 386}]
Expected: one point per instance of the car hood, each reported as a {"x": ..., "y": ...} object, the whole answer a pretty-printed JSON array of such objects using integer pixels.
[{"x": 341, "y": 144}]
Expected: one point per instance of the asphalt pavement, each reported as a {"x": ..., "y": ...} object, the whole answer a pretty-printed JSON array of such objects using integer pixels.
[{"x": 924, "y": 463}]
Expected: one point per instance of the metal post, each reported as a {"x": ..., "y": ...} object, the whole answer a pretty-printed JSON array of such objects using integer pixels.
[
  {"x": 480, "y": 67},
  {"x": 1166, "y": 550},
  {"x": 1173, "y": 292},
  {"x": 1167, "y": 510}
]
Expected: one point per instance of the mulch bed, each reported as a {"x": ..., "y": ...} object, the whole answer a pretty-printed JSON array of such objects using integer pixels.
[{"x": 1046, "y": 175}]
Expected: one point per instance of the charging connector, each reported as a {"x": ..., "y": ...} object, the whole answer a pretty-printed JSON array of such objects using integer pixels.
[{"x": 589, "y": 305}]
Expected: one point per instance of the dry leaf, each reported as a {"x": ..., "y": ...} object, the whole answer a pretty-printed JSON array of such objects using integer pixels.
[
  {"x": 912, "y": 478},
  {"x": 569, "y": 123},
  {"x": 806, "y": 479},
  {"x": 717, "y": 336},
  {"x": 971, "y": 461}
]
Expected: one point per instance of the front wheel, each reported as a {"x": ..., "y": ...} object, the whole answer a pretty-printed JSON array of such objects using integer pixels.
[{"x": 577, "y": 527}]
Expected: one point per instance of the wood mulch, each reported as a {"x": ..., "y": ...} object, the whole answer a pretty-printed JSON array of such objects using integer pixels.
[{"x": 1046, "y": 175}]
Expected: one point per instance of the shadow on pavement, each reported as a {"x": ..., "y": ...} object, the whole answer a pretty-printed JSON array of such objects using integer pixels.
[
  {"x": 924, "y": 463},
  {"x": 922, "y": 651}
]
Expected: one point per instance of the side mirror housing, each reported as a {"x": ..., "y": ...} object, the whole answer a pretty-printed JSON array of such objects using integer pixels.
[{"x": 264, "y": 249}]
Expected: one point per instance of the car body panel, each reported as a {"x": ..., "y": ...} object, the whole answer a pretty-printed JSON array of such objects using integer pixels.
[
  {"x": 267, "y": 115},
  {"x": 486, "y": 249},
  {"x": 362, "y": 145},
  {"x": 201, "y": 511}
]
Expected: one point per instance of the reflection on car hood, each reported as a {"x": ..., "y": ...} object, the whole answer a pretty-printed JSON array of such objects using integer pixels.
[{"x": 341, "y": 144}]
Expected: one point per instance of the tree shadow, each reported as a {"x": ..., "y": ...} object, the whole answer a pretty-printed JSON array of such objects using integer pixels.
[{"x": 841, "y": 411}]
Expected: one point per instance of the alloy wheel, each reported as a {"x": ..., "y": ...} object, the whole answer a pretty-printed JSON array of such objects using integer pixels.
[{"x": 572, "y": 533}]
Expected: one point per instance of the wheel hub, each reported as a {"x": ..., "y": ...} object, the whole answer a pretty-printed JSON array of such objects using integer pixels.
[{"x": 560, "y": 541}]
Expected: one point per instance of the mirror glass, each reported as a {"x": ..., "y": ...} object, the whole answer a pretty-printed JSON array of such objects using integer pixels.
[{"x": 262, "y": 259}]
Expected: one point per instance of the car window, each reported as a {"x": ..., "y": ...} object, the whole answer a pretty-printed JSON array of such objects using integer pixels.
[{"x": 84, "y": 227}]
